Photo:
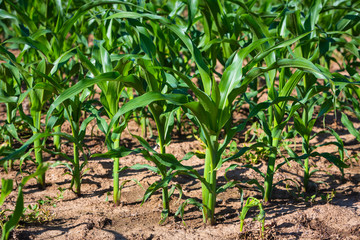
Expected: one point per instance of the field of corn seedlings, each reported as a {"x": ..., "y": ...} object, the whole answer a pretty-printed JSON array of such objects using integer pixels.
[{"x": 180, "y": 119}]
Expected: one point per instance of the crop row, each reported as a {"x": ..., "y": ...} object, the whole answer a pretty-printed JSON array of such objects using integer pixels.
[{"x": 117, "y": 61}]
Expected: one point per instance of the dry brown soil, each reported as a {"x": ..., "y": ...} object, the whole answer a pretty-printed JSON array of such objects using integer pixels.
[{"x": 289, "y": 216}]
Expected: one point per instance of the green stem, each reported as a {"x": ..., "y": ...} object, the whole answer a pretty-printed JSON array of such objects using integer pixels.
[
  {"x": 143, "y": 124},
  {"x": 165, "y": 197},
  {"x": 209, "y": 197},
  {"x": 165, "y": 193},
  {"x": 37, "y": 148},
  {"x": 178, "y": 122},
  {"x": 306, "y": 165},
  {"x": 76, "y": 160},
  {"x": 161, "y": 136},
  {"x": 205, "y": 190},
  {"x": 77, "y": 174},
  {"x": 268, "y": 184},
  {"x": 306, "y": 174},
  {"x": 306, "y": 150},
  {"x": 241, "y": 224},
  {"x": 8, "y": 117},
  {"x": 116, "y": 195},
  {"x": 57, "y": 139},
  {"x": 262, "y": 221},
  {"x": 8, "y": 113}
]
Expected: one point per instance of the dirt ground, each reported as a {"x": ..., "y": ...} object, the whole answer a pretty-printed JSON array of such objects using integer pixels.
[{"x": 330, "y": 211}]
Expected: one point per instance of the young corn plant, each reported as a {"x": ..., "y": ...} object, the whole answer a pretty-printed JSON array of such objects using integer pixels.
[
  {"x": 10, "y": 94},
  {"x": 60, "y": 50},
  {"x": 52, "y": 29},
  {"x": 304, "y": 122},
  {"x": 310, "y": 87},
  {"x": 39, "y": 92},
  {"x": 149, "y": 79},
  {"x": 250, "y": 203},
  {"x": 73, "y": 109},
  {"x": 6, "y": 189},
  {"x": 213, "y": 103},
  {"x": 153, "y": 81},
  {"x": 111, "y": 92},
  {"x": 280, "y": 92},
  {"x": 73, "y": 104},
  {"x": 168, "y": 167}
]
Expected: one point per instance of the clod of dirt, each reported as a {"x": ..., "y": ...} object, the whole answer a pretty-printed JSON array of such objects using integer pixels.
[
  {"x": 85, "y": 231},
  {"x": 94, "y": 221}
]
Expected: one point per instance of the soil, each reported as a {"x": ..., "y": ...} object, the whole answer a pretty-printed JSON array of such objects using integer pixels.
[{"x": 331, "y": 210}]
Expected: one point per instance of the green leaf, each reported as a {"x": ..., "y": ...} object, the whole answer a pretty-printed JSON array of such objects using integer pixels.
[
  {"x": 196, "y": 54},
  {"x": 164, "y": 183},
  {"x": 6, "y": 189},
  {"x": 4, "y": 99},
  {"x": 331, "y": 158},
  {"x": 140, "y": 167},
  {"x": 18, "y": 212},
  {"x": 30, "y": 42},
  {"x": 84, "y": 10},
  {"x": 170, "y": 161},
  {"x": 17, "y": 154},
  {"x": 62, "y": 60},
  {"x": 349, "y": 125},
  {"x": 228, "y": 185},
  {"x": 81, "y": 85},
  {"x": 114, "y": 153},
  {"x": 146, "y": 99},
  {"x": 86, "y": 62}
]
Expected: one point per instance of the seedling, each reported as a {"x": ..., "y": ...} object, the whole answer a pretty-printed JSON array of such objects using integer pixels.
[{"x": 250, "y": 203}]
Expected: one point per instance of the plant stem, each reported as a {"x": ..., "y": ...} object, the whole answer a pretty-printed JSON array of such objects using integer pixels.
[
  {"x": 76, "y": 160},
  {"x": 306, "y": 150},
  {"x": 262, "y": 221},
  {"x": 205, "y": 190},
  {"x": 37, "y": 148},
  {"x": 306, "y": 165},
  {"x": 8, "y": 114},
  {"x": 161, "y": 136},
  {"x": 306, "y": 174},
  {"x": 209, "y": 197},
  {"x": 77, "y": 174},
  {"x": 57, "y": 139},
  {"x": 165, "y": 193},
  {"x": 269, "y": 177},
  {"x": 116, "y": 165},
  {"x": 268, "y": 184},
  {"x": 143, "y": 124},
  {"x": 8, "y": 118},
  {"x": 241, "y": 224}
]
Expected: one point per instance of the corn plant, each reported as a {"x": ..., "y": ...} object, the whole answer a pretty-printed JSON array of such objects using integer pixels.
[
  {"x": 154, "y": 81},
  {"x": 274, "y": 122},
  {"x": 212, "y": 108},
  {"x": 168, "y": 167},
  {"x": 151, "y": 79},
  {"x": 73, "y": 108},
  {"x": 146, "y": 66},
  {"x": 6, "y": 189},
  {"x": 45, "y": 31},
  {"x": 250, "y": 203},
  {"x": 39, "y": 95},
  {"x": 110, "y": 95},
  {"x": 304, "y": 122},
  {"x": 39, "y": 92},
  {"x": 10, "y": 93}
]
